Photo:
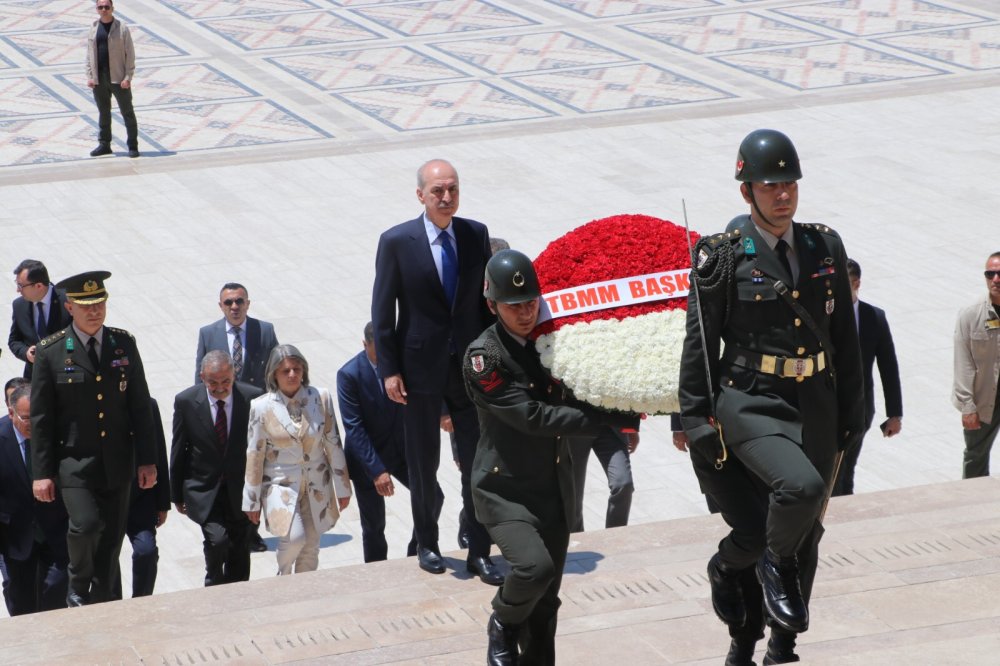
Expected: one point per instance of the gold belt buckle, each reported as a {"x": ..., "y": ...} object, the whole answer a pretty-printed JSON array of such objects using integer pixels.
[{"x": 797, "y": 367}]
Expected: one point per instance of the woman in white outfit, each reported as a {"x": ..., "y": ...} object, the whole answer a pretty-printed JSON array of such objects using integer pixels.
[{"x": 296, "y": 471}]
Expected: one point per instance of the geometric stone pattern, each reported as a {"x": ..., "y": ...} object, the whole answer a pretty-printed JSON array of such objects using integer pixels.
[
  {"x": 718, "y": 33},
  {"x": 442, "y": 105},
  {"x": 529, "y": 53},
  {"x": 609, "y": 8},
  {"x": 876, "y": 17},
  {"x": 442, "y": 16},
  {"x": 397, "y": 68},
  {"x": 973, "y": 48},
  {"x": 617, "y": 88},
  {"x": 335, "y": 70},
  {"x": 279, "y": 31},
  {"x": 827, "y": 66}
]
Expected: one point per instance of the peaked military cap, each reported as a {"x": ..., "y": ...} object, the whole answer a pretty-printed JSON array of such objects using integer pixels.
[{"x": 86, "y": 288}]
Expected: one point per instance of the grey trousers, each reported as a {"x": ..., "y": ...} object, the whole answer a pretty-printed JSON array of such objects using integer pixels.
[{"x": 611, "y": 450}]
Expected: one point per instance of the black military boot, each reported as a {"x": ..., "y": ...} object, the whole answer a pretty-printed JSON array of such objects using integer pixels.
[
  {"x": 779, "y": 579},
  {"x": 727, "y": 594},
  {"x": 502, "y": 650},
  {"x": 780, "y": 648},
  {"x": 741, "y": 652}
]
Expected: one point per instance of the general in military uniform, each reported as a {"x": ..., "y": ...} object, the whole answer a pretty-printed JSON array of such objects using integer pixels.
[
  {"x": 91, "y": 427},
  {"x": 785, "y": 392},
  {"x": 522, "y": 482}
]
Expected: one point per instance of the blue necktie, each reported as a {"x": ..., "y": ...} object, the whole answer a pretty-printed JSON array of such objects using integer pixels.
[
  {"x": 449, "y": 267},
  {"x": 40, "y": 321}
]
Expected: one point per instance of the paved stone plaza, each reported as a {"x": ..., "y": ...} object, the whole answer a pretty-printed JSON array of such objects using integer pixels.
[{"x": 280, "y": 138}]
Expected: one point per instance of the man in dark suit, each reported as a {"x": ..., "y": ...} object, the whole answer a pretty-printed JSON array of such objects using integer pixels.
[
  {"x": 92, "y": 429},
  {"x": 430, "y": 270},
  {"x": 249, "y": 342},
  {"x": 37, "y": 312},
  {"x": 208, "y": 462},
  {"x": 876, "y": 345},
  {"x": 373, "y": 445},
  {"x": 34, "y": 543}
]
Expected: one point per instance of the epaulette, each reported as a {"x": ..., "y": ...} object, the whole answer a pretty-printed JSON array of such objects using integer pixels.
[
  {"x": 822, "y": 228},
  {"x": 715, "y": 239},
  {"x": 55, "y": 337},
  {"x": 121, "y": 331}
]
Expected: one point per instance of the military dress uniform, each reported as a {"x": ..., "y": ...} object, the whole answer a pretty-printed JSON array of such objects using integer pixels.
[
  {"x": 91, "y": 427},
  {"x": 522, "y": 480},
  {"x": 786, "y": 400}
]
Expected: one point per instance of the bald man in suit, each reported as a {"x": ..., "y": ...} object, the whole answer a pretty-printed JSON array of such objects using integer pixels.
[{"x": 430, "y": 270}]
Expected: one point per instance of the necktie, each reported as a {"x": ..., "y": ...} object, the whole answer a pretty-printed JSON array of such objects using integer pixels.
[
  {"x": 92, "y": 353},
  {"x": 220, "y": 424},
  {"x": 449, "y": 267},
  {"x": 238, "y": 352},
  {"x": 782, "y": 249},
  {"x": 27, "y": 456},
  {"x": 40, "y": 321}
]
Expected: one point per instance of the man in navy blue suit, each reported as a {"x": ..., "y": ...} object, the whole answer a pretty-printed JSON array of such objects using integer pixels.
[
  {"x": 373, "y": 444},
  {"x": 34, "y": 546},
  {"x": 876, "y": 345},
  {"x": 430, "y": 270}
]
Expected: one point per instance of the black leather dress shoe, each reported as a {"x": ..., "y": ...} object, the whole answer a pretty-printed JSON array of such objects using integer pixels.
[
  {"x": 463, "y": 531},
  {"x": 73, "y": 599},
  {"x": 502, "y": 649},
  {"x": 779, "y": 578},
  {"x": 780, "y": 649},
  {"x": 430, "y": 561},
  {"x": 133, "y": 152},
  {"x": 102, "y": 149},
  {"x": 255, "y": 544},
  {"x": 485, "y": 569},
  {"x": 741, "y": 652},
  {"x": 727, "y": 594}
]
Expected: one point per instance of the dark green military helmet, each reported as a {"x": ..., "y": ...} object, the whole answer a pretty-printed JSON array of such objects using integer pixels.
[
  {"x": 510, "y": 278},
  {"x": 767, "y": 156}
]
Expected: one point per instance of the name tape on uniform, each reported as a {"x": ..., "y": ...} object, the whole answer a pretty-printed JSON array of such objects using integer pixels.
[{"x": 615, "y": 293}]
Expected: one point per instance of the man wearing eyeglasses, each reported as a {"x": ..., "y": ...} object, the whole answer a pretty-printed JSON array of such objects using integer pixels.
[
  {"x": 34, "y": 547},
  {"x": 37, "y": 313},
  {"x": 249, "y": 341},
  {"x": 977, "y": 367},
  {"x": 110, "y": 67}
]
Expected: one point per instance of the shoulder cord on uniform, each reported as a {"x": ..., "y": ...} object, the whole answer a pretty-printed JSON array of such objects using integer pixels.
[{"x": 714, "y": 275}]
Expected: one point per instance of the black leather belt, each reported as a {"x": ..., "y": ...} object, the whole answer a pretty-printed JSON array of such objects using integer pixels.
[{"x": 798, "y": 367}]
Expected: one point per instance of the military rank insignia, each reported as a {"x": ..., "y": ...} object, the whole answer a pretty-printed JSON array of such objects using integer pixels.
[{"x": 992, "y": 324}]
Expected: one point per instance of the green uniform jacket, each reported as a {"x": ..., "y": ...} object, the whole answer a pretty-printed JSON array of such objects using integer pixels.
[
  {"x": 90, "y": 427},
  {"x": 522, "y": 466},
  {"x": 750, "y": 403}
]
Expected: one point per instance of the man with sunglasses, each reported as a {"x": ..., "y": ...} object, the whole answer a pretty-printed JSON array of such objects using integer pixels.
[
  {"x": 249, "y": 341},
  {"x": 977, "y": 367},
  {"x": 37, "y": 313},
  {"x": 110, "y": 67}
]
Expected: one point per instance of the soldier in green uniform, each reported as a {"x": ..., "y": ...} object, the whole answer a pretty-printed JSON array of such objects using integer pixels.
[
  {"x": 522, "y": 482},
  {"x": 778, "y": 359},
  {"x": 91, "y": 426}
]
